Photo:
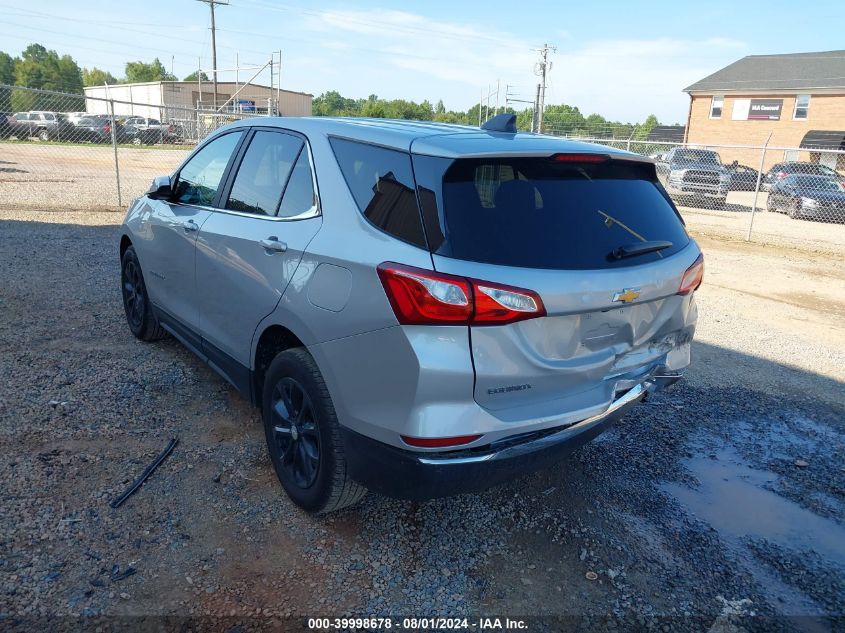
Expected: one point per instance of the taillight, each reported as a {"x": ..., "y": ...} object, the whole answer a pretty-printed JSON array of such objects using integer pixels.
[
  {"x": 425, "y": 297},
  {"x": 693, "y": 277},
  {"x": 107, "y": 128},
  {"x": 780, "y": 175},
  {"x": 439, "y": 442}
]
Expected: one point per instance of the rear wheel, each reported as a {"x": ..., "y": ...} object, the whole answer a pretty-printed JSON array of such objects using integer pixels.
[
  {"x": 303, "y": 436},
  {"x": 136, "y": 302},
  {"x": 795, "y": 210},
  {"x": 43, "y": 135}
]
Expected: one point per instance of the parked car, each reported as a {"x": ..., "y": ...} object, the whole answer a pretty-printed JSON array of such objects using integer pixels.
[
  {"x": 817, "y": 197},
  {"x": 448, "y": 309},
  {"x": 152, "y": 130},
  {"x": 695, "y": 175},
  {"x": 780, "y": 171},
  {"x": 6, "y": 124},
  {"x": 93, "y": 128},
  {"x": 39, "y": 124},
  {"x": 743, "y": 178}
]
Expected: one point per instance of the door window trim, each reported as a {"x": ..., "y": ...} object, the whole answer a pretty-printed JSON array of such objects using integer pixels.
[{"x": 232, "y": 172}]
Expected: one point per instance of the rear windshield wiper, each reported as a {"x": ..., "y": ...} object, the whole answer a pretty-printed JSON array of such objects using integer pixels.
[{"x": 638, "y": 248}]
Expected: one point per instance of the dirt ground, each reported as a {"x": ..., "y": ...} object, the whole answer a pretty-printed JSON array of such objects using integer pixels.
[{"x": 720, "y": 502}]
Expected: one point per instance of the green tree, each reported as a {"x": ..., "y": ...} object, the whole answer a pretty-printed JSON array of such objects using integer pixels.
[
  {"x": 40, "y": 68},
  {"x": 7, "y": 76},
  {"x": 645, "y": 129},
  {"x": 139, "y": 72},
  {"x": 97, "y": 77},
  {"x": 193, "y": 76}
]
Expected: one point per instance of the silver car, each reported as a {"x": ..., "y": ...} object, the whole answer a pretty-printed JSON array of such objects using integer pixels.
[{"x": 419, "y": 309}]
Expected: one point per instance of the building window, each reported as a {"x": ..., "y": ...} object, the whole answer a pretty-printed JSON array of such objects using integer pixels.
[
  {"x": 716, "y": 107},
  {"x": 802, "y": 106}
]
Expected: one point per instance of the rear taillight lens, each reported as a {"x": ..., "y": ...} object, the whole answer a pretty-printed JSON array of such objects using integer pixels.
[
  {"x": 693, "y": 277},
  {"x": 439, "y": 442},
  {"x": 780, "y": 175},
  {"x": 421, "y": 297},
  {"x": 425, "y": 297}
]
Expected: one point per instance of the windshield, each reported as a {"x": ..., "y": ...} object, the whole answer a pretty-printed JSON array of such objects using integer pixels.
[
  {"x": 696, "y": 156},
  {"x": 540, "y": 213}
]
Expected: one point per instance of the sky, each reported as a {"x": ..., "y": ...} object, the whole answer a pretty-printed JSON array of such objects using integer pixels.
[{"x": 621, "y": 59}]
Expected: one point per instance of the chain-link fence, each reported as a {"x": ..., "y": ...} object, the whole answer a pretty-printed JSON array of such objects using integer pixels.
[
  {"x": 64, "y": 150},
  {"x": 792, "y": 196}
]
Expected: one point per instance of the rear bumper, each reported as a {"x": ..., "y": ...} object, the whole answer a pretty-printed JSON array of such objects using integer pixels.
[{"x": 405, "y": 474}]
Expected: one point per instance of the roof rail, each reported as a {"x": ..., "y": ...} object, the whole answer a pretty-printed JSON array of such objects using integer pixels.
[{"x": 501, "y": 123}]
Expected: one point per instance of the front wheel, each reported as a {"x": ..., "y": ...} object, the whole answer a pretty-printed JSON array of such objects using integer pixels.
[
  {"x": 43, "y": 135},
  {"x": 303, "y": 436},
  {"x": 795, "y": 211},
  {"x": 136, "y": 302}
]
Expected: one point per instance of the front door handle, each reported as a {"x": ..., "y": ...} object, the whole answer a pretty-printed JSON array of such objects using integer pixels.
[
  {"x": 190, "y": 226},
  {"x": 273, "y": 245}
]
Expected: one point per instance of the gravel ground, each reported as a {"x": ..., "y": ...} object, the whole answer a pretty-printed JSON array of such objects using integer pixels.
[{"x": 716, "y": 505}]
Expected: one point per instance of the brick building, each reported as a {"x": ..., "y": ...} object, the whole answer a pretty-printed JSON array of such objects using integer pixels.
[{"x": 798, "y": 98}]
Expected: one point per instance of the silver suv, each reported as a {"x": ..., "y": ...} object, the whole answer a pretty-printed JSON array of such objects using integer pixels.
[{"x": 418, "y": 309}]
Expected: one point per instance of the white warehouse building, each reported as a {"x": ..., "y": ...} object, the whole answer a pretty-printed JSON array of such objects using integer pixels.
[{"x": 188, "y": 102}]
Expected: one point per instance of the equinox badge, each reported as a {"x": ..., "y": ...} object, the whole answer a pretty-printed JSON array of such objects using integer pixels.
[{"x": 627, "y": 295}]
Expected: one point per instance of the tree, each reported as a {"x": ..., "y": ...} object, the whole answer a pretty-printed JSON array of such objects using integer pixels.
[
  {"x": 40, "y": 68},
  {"x": 139, "y": 72},
  {"x": 193, "y": 76},
  {"x": 97, "y": 77},
  {"x": 645, "y": 129},
  {"x": 7, "y": 76}
]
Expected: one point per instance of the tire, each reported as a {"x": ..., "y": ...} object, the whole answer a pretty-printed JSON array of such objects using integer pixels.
[
  {"x": 794, "y": 211},
  {"x": 303, "y": 436},
  {"x": 43, "y": 135},
  {"x": 769, "y": 206},
  {"x": 136, "y": 303},
  {"x": 136, "y": 140}
]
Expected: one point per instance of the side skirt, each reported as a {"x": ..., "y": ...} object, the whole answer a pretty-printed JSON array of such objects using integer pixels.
[{"x": 232, "y": 371}]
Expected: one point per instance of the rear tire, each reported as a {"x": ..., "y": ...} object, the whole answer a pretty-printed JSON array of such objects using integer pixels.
[
  {"x": 43, "y": 135},
  {"x": 136, "y": 303},
  {"x": 303, "y": 435},
  {"x": 795, "y": 211}
]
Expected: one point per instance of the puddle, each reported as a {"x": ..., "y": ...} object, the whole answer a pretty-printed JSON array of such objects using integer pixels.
[{"x": 737, "y": 502}]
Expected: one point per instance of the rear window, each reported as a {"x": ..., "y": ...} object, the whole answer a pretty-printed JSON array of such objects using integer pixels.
[{"x": 539, "y": 213}]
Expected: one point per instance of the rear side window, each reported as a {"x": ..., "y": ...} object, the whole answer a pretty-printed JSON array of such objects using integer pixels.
[
  {"x": 264, "y": 172},
  {"x": 382, "y": 183},
  {"x": 299, "y": 195},
  {"x": 539, "y": 213}
]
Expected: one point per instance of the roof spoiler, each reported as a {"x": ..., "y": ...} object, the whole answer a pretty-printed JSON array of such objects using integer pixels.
[{"x": 501, "y": 123}]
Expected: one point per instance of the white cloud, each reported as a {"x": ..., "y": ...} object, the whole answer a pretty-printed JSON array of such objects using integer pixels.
[{"x": 398, "y": 54}]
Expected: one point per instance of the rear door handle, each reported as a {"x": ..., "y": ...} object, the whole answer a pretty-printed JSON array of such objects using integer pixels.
[
  {"x": 273, "y": 245},
  {"x": 190, "y": 226}
]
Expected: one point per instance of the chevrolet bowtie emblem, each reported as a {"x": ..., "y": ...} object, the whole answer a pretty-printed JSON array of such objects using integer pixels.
[{"x": 627, "y": 295}]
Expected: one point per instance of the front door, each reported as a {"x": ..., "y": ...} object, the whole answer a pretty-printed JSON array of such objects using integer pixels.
[
  {"x": 248, "y": 252},
  {"x": 174, "y": 226}
]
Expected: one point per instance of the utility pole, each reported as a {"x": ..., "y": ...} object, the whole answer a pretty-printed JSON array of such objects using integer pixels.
[
  {"x": 542, "y": 68},
  {"x": 211, "y": 4}
]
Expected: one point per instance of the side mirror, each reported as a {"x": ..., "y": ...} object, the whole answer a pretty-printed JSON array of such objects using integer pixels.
[{"x": 161, "y": 189}]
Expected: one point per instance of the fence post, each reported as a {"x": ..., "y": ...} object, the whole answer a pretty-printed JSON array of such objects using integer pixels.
[
  {"x": 757, "y": 188},
  {"x": 114, "y": 146}
]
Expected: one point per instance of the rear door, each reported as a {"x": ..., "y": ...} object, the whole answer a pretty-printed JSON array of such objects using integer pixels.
[
  {"x": 249, "y": 249},
  {"x": 555, "y": 226}
]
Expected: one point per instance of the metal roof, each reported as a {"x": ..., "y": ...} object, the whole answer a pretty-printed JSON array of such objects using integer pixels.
[
  {"x": 793, "y": 71},
  {"x": 824, "y": 139},
  {"x": 433, "y": 138}
]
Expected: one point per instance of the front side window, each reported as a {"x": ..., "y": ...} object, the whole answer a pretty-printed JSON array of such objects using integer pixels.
[
  {"x": 199, "y": 179},
  {"x": 264, "y": 172},
  {"x": 382, "y": 183},
  {"x": 802, "y": 107},
  {"x": 716, "y": 105}
]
